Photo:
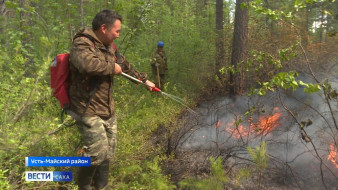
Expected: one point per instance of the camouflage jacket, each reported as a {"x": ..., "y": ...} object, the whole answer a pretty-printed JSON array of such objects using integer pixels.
[
  {"x": 160, "y": 58},
  {"x": 91, "y": 67}
]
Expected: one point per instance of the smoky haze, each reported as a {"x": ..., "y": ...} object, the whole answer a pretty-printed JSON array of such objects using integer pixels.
[{"x": 293, "y": 154}]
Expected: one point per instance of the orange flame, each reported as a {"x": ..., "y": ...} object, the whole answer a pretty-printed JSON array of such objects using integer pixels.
[
  {"x": 264, "y": 125},
  {"x": 239, "y": 132},
  {"x": 333, "y": 156},
  {"x": 267, "y": 124}
]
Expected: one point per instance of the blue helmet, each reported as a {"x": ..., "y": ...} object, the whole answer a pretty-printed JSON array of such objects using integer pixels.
[{"x": 160, "y": 44}]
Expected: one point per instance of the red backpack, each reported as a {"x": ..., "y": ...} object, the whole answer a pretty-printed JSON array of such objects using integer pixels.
[{"x": 59, "y": 78}]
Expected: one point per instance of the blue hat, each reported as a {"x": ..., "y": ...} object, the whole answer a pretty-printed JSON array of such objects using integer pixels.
[{"x": 160, "y": 44}]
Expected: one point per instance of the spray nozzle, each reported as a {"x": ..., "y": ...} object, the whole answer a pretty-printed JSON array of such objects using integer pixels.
[{"x": 156, "y": 89}]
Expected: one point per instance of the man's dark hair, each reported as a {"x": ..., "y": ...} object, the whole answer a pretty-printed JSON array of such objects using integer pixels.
[{"x": 107, "y": 17}]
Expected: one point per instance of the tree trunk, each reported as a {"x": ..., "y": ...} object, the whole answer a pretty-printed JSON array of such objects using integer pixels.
[
  {"x": 307, "y": 24},
  {"x": 81, "y": 14},
  {"x": 25, "y": 27},
  {"x": 219, "y": 38},
  {"x": 239, "y": 46},
  {"x": 266, "y": 3},
  {"x": 2, "y": 7},
  {"x": 199, "y": 7},
  {"x": 321, "y": 30},
  {"x": 202, "y": 7},
  {"x": 206, "y": 4},
  {"x": 3, "y": 19},
  {"x": 327, "y": 27},
  {"x": 69, "y": 23}
]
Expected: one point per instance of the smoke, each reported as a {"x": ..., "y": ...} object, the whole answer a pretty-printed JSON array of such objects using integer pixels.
[{"x": 229, "y": 126}]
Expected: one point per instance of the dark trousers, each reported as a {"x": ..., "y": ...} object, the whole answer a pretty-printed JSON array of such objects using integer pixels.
[{"x": 96, "y": 176}]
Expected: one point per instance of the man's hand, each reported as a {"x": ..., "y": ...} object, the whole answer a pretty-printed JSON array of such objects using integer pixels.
[
  {"x": 150, "y": 85},
  {"x": 117, "y": 70}
]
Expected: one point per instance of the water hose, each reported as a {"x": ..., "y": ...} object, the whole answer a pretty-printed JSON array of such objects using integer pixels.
[
  {"x": 140, "y": 81},
  {"x": 175, "y": 98}
]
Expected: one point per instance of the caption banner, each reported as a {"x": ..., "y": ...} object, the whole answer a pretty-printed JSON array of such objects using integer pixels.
[{"x": 57, "y": 161}]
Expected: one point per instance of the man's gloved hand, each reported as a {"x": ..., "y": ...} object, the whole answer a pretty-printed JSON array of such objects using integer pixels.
[{"x": 157, "y": 64}]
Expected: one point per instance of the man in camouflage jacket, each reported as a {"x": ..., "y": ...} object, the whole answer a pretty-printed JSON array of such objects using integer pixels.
[
  {"x": 159, "y": 65},
  {"x": 93, "y": 64}
]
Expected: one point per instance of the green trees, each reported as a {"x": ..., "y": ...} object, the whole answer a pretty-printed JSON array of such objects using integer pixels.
[
  {"x": 33, "y": 31},
  {"x": 261, "y": 160}
]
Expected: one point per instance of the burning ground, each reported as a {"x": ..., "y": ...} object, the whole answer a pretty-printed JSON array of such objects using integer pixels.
[{"x": 298, "y": 129}]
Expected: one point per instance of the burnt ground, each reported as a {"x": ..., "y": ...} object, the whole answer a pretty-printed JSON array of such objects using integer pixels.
[{"x": 194, "y": 164}]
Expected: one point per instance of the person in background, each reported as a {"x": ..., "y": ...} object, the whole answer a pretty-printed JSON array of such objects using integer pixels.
[
  {"x": 159, "y": 65},
  {"x": 93, "y": 65}
]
